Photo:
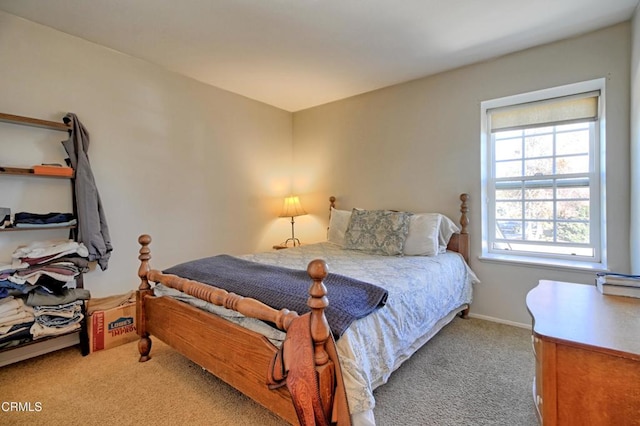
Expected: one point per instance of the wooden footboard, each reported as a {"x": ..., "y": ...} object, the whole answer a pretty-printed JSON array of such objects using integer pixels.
[
  {"x": 236, "y": 355},
  {"x": 240, "y": 357}
]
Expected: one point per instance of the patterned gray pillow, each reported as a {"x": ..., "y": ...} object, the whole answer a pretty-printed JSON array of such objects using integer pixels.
[{"x": 377, "y": 231}]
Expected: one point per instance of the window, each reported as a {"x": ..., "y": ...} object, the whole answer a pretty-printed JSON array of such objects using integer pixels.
[{"x": 543, "y": 177}]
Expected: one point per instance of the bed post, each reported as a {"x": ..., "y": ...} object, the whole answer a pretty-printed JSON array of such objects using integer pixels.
[
  {"x": 464, "y": 209},
  {"x": 144, "y": 344},
  {"x": 459, "y": 242},
  {"x": 321, "y": 334},
  {"x": 463, "y": 240},
  {"x": 317, "y": 301},
  {"x": 332, "y": 205}
]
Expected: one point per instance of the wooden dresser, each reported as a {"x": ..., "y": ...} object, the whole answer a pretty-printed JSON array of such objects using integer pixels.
[{"x": 587, "y": 350}]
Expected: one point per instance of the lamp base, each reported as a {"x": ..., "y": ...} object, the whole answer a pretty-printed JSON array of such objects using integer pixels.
[{"x": 296, "y": 242}]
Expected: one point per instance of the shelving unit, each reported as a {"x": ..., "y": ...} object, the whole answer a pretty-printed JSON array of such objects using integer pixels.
[{"x": 48, "y": 344}]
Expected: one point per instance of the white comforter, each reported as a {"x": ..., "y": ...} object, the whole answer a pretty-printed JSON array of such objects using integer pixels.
[{"x": 423, "y": 292}]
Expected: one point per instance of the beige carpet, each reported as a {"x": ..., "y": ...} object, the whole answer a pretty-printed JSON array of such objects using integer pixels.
[{"x": 473, "y": 372}]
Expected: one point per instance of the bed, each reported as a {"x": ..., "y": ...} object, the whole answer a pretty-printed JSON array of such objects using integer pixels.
[{"x": 240, "y": 339}]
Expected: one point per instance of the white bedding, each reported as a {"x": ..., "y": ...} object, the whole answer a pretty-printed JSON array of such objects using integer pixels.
[{"x": 423, "y": 293}]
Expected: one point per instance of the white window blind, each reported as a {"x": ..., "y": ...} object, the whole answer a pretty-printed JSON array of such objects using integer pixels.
[{"x": 564, "y": 110}]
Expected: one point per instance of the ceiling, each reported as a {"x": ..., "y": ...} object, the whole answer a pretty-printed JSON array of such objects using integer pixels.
[{"x": 295, "y": 54}]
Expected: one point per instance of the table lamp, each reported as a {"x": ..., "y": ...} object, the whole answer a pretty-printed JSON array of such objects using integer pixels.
[{"x": 292, "y": 208}]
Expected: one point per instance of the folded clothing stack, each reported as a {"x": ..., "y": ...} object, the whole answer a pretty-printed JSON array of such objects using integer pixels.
[
  {"x": 37, "y": 220},
  {"x": 57, "y": 319},
  {"x": 16, "y": 319},
  {"x": 41, "y": 281}
]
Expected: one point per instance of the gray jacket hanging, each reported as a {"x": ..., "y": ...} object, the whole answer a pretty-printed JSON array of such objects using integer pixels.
[{"x": 93, "y": 231}]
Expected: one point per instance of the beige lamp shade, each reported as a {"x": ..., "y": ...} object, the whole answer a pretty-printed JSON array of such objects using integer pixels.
[{"x": 292, "y": 207}]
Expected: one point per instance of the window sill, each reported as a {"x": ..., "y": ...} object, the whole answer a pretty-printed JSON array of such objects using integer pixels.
[{"x": 536, "y": 262}]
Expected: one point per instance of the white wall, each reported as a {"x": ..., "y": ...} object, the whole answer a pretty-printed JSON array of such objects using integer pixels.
[
  {"x": 635, "y": 146},
  {"x": 202, "y": 170},
  {"x": 416, "y": 146}
]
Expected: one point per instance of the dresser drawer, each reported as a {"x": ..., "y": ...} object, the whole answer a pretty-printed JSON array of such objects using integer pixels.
[
  {"x": 536, "y": 343},
  {"x": 537, "y": 400},
  {"x": 538, "y": 382}
]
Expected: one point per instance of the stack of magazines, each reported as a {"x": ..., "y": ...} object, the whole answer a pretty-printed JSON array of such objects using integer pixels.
[{"x": 618, "y": 284}]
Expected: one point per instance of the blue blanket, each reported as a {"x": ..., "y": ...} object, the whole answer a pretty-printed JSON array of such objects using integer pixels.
[{"x": 281, "y": 288}]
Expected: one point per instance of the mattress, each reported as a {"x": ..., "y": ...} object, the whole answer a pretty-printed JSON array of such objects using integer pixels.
[{"x": 424, "y": 294}]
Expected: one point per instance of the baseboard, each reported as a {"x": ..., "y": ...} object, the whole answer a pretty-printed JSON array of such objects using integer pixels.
[{"x": 499, "y": 320}]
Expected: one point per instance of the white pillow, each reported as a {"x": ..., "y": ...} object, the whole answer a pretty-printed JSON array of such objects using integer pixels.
[
  {"x": 429, "y": 234},
  {"x": 338, "y": 224},
  {"x": 424, "y": 235},
  {"x": 447, "y": 229}
]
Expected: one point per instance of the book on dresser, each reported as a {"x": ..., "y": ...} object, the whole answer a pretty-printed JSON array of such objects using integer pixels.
[{"x": 618, "y": 284}]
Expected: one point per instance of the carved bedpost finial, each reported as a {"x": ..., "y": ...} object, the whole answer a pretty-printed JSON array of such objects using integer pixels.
[
  {"x": 145, "y": 254},
  {"x": 332, "y": 205},
  {"x": 464, "y": 209},
  {"x": 320, "y": 330}
]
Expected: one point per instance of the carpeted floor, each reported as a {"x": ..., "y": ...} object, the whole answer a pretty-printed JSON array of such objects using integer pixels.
[{"x": 473, "y": 372}]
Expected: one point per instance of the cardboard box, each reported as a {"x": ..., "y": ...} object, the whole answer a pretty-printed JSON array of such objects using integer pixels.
[{"x": 112, "y": 327}]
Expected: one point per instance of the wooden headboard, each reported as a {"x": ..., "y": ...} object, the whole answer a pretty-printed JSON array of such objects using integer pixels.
[{"x": 459, "y": 242}]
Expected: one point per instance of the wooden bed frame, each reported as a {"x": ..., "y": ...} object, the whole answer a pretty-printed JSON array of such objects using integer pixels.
[{"x": 239, "y": 356}]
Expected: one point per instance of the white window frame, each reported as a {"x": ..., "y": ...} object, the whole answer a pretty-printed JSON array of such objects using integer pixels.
[{"x": 597, "y": 182}]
